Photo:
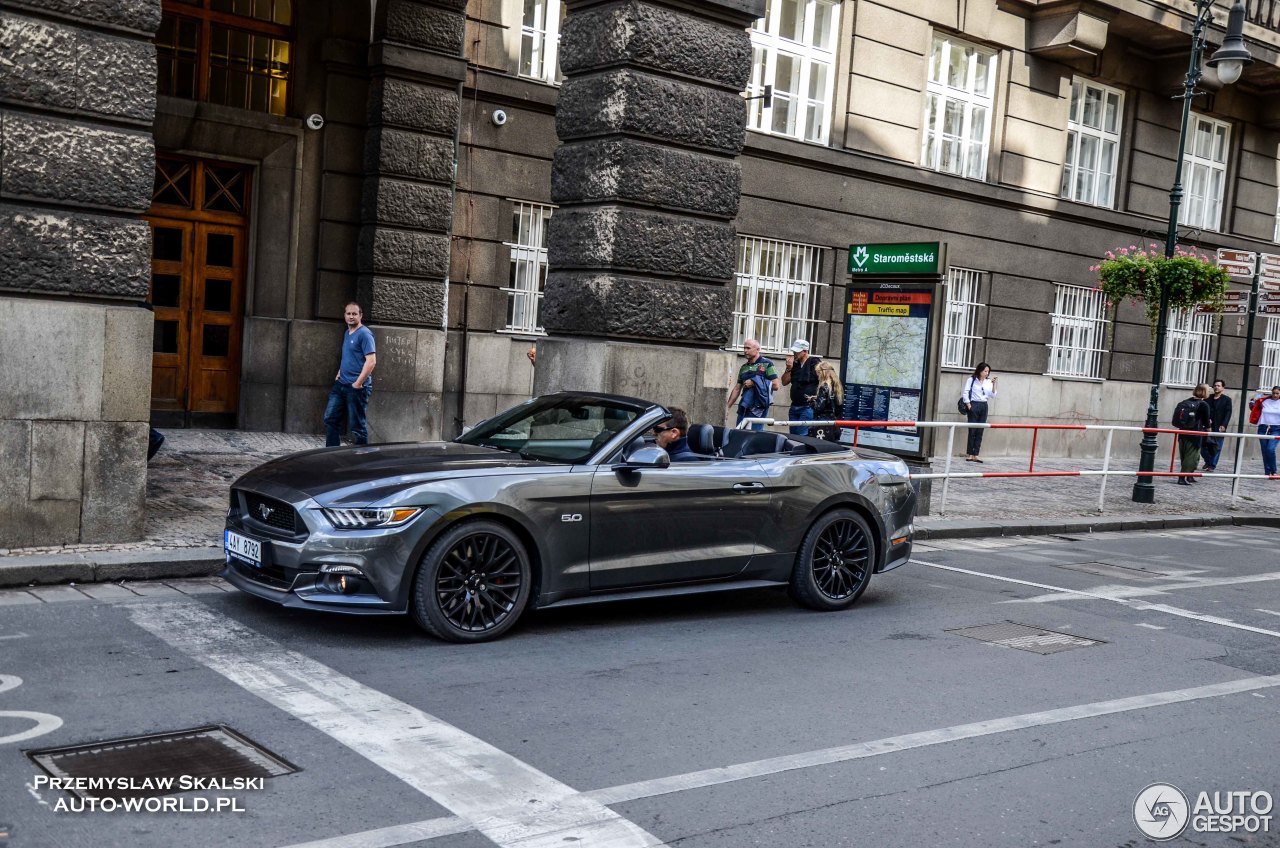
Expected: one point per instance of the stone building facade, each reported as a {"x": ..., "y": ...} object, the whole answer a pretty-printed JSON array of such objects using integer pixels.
[{"x": 249, "y": 167}]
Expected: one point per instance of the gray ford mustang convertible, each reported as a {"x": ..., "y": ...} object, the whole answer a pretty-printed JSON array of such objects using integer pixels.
[{"x": 564, "y": 500}]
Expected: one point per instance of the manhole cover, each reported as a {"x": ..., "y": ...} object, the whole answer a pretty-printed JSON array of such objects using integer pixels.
[
  {"x": 203, "y": 752},
  {"x": 1106, "y": 569},
  {"x": 1025, "y": 638}
]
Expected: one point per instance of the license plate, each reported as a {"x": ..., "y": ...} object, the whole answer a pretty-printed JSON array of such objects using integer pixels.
[{"x": 242, "y": 547}]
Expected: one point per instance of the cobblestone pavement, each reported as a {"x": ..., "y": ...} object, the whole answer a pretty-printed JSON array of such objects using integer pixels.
[{"x": 188, "y": 481}]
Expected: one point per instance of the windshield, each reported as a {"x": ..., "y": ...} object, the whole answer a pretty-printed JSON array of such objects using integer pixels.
[{"x": 554, "y": 429}]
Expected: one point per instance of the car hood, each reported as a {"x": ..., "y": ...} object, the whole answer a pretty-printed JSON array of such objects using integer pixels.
[{"x": 328, "y": 471}]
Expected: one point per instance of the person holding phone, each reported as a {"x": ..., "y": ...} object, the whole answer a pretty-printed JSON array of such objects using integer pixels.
[{"x": 979, "y": 388}]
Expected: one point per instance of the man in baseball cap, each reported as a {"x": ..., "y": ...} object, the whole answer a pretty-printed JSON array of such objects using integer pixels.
[{"x": 802, "y": 377}]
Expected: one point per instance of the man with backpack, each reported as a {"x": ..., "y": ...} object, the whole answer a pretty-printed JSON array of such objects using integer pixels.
[
  {"x": 1191, "y": 414},
  {"x": 756, "y": 383}
]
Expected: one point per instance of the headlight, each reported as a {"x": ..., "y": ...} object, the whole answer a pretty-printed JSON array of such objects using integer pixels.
[{"x": 365, "y": 519}]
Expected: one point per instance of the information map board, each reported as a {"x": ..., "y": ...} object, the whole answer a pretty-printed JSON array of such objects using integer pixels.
[{"x": 888, "y": 334}]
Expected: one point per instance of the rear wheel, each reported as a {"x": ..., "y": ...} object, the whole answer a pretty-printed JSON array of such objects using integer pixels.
[
  {"x": 835, "y": 561},
  {"x": 473, "y": 583}
]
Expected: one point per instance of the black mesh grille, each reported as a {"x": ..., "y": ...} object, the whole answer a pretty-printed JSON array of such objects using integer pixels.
[
  {"x": 268, "y": 575},
  {"x": 271, "y": 512}
]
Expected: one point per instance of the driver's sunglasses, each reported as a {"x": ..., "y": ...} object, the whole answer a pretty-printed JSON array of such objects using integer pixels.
[{"x": 661, "y": 429}]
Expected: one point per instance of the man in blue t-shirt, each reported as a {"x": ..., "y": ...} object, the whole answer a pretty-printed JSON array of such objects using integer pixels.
[{"x": 352, "y": 386}]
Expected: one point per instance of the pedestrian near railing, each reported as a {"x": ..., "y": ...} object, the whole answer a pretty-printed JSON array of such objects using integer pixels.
[{"x": 1267, "y": 438}]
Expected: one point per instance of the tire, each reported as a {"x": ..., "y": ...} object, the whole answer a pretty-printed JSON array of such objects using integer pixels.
[
  {"x": 473, "y": 583},
  {"x": 835, "y": 561}
]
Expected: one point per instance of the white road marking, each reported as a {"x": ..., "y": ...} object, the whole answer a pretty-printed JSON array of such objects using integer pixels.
[
  {"x": 1268, "y": 612},
  {"x": 509, "y": 801},
  {"x": 42, "y": 722},
  {"x": 1116, "y": 591},
  {"x": 1150, "y": 626},
  {"x": 14, "y": 636},
  {"x": 1118, "y": 596},
  {"x": 404, "y": 834}
]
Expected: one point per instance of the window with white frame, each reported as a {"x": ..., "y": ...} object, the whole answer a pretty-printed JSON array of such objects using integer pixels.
[
  {"x": 1079, "y": 323},
  {"x": 777, "y": 292},
  {"x": 528, "y": 268},
  {"x": 959, "y": 98},
  {"x": 1270, "y": 375},
  {"x": 961, "y": 328},
  {"x": 794, "y": 50},
  {"x": 1276, "y": 236},
  {"x": 1204, "y": 175},
  {"x": 540, "y": 39},
  {"x": 1188, "y": 347},
  {"x": 1093, "y": 143}
]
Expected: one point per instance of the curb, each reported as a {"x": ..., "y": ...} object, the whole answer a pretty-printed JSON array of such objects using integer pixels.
[
  {"x": 143, "y": 564},
  {"x": 967, "y": 529},
  {"x": 108, "y": 566}
]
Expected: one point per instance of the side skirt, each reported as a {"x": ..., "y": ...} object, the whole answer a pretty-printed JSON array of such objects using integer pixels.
[{"x": 665, "y": 592}]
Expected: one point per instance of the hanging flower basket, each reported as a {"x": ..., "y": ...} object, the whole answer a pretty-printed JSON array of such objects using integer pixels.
[{"x": 1138, "y": 273}]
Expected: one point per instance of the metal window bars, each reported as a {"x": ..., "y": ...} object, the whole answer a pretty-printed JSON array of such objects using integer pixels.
[
  {"x": 961, "y": 328},
  {"x": 1270, "y": 374},
  {"x": 777, "y": 293},
  {"x": 528, "y": 268},
  {"x": 1188, "y": 348},
  {"x": 1079, "y": 332}
]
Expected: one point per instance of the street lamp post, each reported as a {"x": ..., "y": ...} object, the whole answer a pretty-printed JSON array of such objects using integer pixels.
[{"x": 1229, "y": 61}]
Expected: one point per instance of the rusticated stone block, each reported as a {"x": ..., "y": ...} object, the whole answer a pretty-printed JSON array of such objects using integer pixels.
[
  {"x": 57, "y": 459},
  {"x": 409, "y": 154},
  {"x": 429, "y": 27},
  {"x": 391, "y": 301},
  {"x": 415, "y": 205},
  {"x": 115, "y": 481},
  {"x": 116, "y": 76},
  {"x": 638, "y": 240},
  {"x": 66, "y": 252},
  {"x": 413, "y": 106},
  {"x": 54, "y": 159},
  {"x": 39, "y": 62},
  {"x": 637, "y": 307},
  {"x": 384, "y": 250},
  {"x": 140, "y": 15},
  {"x": 642, "y": 35},
  {"x": 616, "y": 169},
  {"x": 661, "y": 108}
]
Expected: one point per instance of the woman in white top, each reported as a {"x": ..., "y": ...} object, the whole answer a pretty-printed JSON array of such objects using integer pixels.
[
  {"x": 979, "y": 387},
  {"x": 1269, "y": 425}
]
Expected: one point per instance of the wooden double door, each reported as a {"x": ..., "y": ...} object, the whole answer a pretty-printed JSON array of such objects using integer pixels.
[{"x": 199, "y": 228}]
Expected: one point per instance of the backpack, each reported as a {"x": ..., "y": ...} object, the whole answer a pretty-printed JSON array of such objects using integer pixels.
[{"x": 1184, "y": 414}]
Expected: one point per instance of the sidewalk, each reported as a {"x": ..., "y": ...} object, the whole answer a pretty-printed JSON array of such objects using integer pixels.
[{"x": 188, "y": 481}]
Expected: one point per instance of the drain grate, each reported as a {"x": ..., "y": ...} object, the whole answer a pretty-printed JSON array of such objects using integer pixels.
[
  {"x": 1107, "y": 569},
  {"x": 216, "y": 751},
  {"x": 1025, "y": 638}
]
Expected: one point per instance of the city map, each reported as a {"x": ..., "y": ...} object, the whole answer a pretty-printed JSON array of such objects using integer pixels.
[{"x": 886, "y": 351}]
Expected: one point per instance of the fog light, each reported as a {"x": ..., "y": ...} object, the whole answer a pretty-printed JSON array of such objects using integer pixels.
[
  {"x": 346, "y": 584},
  {"x": 339, "y": 569}
]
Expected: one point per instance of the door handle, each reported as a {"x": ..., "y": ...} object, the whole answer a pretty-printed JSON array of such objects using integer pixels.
[{"x": 748, "y": 487}]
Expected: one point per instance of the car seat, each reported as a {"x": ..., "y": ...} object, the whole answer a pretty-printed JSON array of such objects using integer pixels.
[
  {"x": 742, "y": 443},
  {"x": 702, "y": 440}
]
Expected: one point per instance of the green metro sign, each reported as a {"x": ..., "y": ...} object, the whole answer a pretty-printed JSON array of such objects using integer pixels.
[{"x": 924, "y": 257}]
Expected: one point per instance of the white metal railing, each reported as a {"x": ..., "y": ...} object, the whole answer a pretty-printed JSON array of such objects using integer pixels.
[{"x": 1106, "y": 471}]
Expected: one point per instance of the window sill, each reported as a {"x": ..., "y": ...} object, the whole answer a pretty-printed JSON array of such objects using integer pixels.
[
  {"x": 1070, "y": 379},
  {"x": 955, "y": 369},
  {"x": 520, "y": 334}
]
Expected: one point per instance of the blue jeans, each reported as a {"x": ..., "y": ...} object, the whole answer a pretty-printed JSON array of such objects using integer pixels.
[
  {"x": 347, "y": 405},
  {"x": 1268, "y": 447},
  {"x": 1211, "y": 450},
  {"x": 803, "y": 412}
]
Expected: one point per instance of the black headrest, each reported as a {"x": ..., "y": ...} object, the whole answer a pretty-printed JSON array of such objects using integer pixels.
[
  {"x": 702, "y": 439},
  {"x": 749, "y": 442}
]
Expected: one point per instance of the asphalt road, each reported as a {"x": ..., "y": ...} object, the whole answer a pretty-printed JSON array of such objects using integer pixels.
[{"x": 717, "y": 722}]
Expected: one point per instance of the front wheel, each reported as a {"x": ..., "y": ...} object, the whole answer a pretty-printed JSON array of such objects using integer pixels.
[
  {"x": 473, "y": 583},
  {"x": 835, "y": 561}
]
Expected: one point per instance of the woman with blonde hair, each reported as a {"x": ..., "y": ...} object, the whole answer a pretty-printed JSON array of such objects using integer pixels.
[{"x": 828, "y": 403}]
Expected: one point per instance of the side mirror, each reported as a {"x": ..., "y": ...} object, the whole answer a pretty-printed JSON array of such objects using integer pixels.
[{"x": 649, "y": 456}]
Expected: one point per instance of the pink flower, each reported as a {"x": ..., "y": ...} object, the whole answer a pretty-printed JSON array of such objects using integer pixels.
[
  {"x": 1110, "y": 255},
  {"x": 1133, "y": 247}
]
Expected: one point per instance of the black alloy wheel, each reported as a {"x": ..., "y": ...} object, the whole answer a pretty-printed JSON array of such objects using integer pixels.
[
  {"x": 473, "y": 584},
  {"x": 835, "y": 561}
]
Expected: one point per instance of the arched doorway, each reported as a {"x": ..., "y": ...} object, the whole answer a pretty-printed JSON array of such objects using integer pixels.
[{"x": 199, "y": 224}]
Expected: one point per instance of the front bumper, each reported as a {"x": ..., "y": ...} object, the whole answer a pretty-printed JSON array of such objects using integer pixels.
[
  {"x": 291, "y": 569},
  {"x": 899, "y": 523}
]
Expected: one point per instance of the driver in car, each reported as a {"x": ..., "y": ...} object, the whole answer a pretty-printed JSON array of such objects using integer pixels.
[{"x": 672, "y": 436}]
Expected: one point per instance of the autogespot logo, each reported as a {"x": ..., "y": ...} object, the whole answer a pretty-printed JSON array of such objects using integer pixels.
[{"x": 1161, "y": 811}]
